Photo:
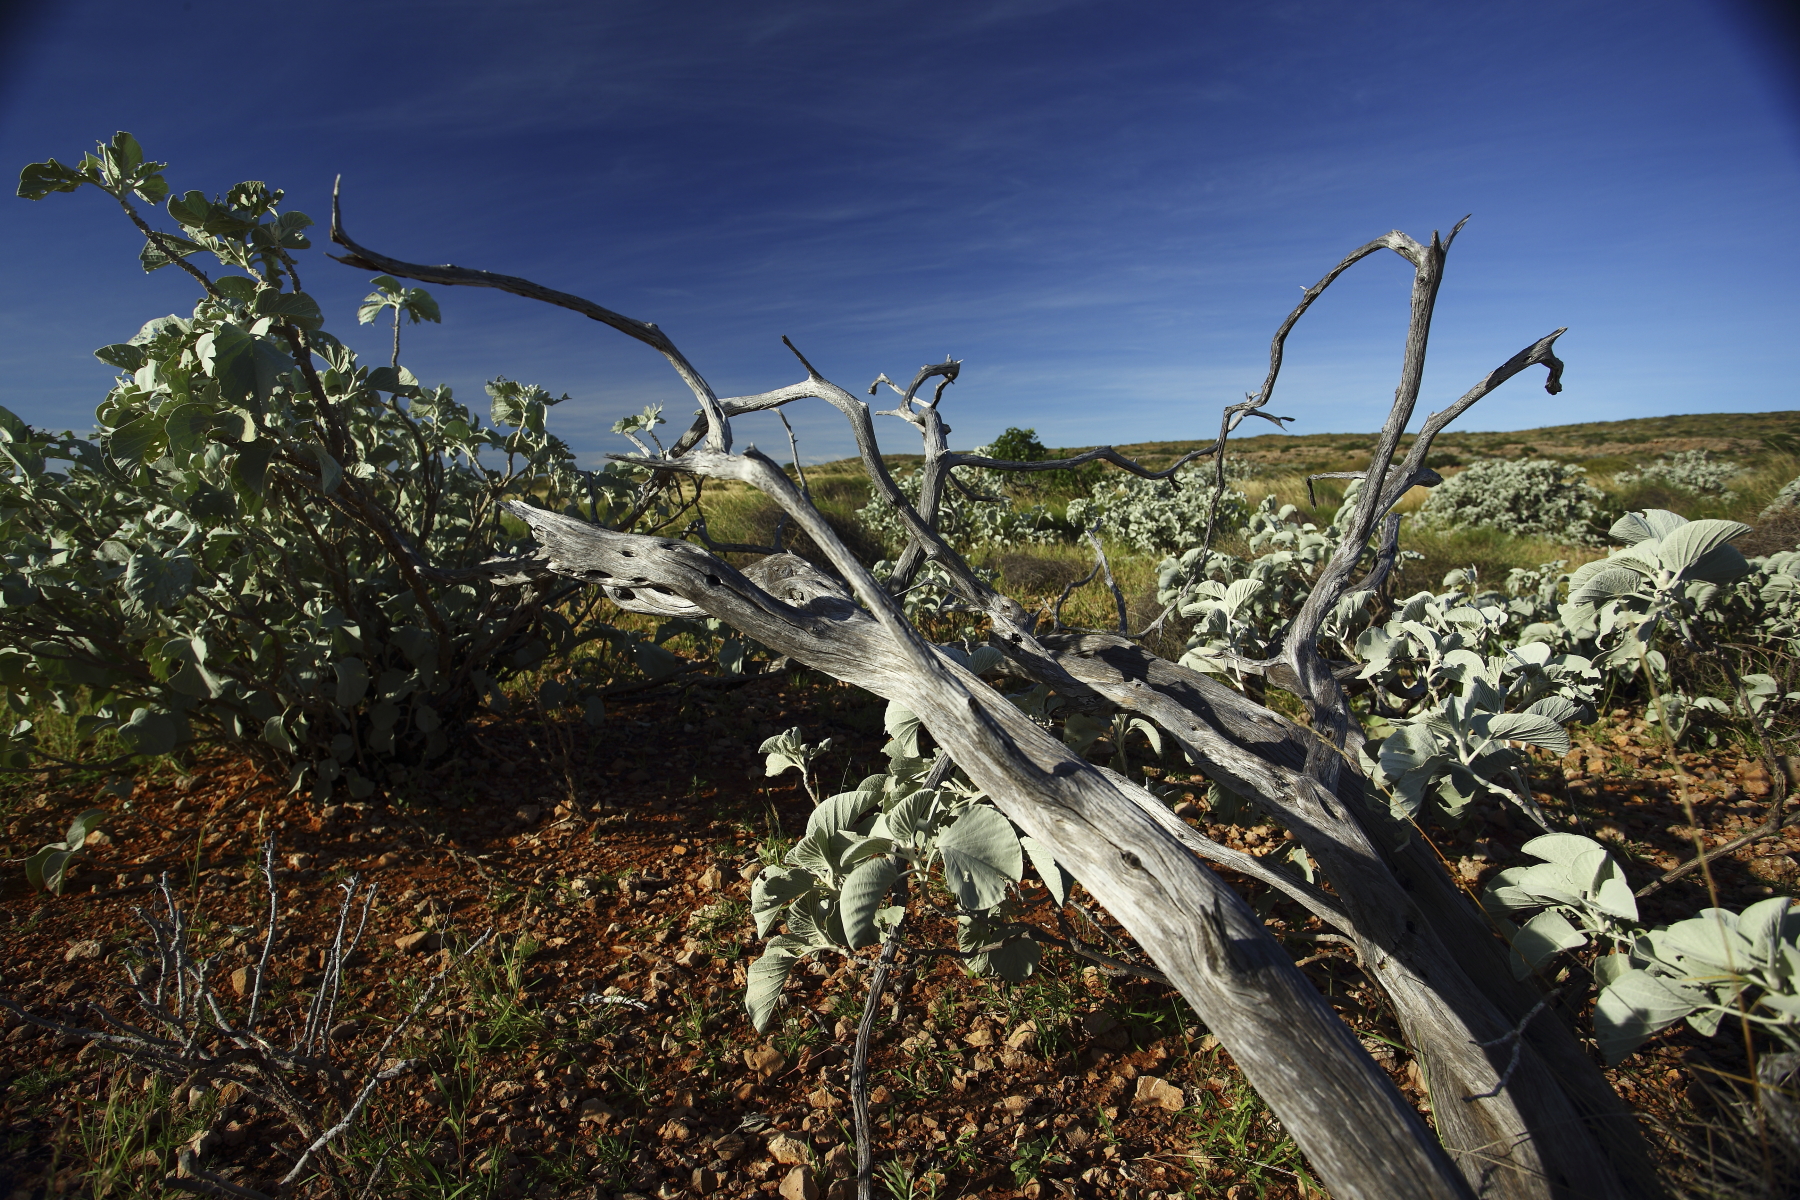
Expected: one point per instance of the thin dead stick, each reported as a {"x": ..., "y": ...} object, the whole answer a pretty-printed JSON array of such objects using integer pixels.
[
  {"x": 1112, "y": 586},
  {"x": 1517, "y": 1037},
  {"x": 794, "y": 445},
  {"x": 190, "y": 1176},
  {"x": 262, "y": 963},
  {"x": 1784, "y": 785},
  {"x": 1101, "y": 566},
  {"x": 859, "y": 1062},
  {"x": 400, "y": 1068},
  {"x": 1775, "y": 824},
  {"x": 1056, "y": 622}
]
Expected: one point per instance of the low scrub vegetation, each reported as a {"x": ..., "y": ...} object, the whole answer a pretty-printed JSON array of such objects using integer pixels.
[{"x": 467, "y": 886}]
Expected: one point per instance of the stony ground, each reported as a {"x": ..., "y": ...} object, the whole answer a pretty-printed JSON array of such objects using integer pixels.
[{"x": 597, "y": 1046}]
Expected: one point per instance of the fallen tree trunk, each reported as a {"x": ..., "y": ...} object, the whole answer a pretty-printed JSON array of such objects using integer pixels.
[
  {"x": 1355, "y": 1127},
  {"x": 1543, "y": 1126},
  {"x": 1549, "y": 1111}
]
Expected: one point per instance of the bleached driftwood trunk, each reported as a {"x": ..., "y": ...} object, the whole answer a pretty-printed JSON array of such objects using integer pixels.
[{"x": 1541, "y": 1126}]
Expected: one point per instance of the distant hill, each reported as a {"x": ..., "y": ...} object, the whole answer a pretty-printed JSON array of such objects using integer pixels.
[{"x": 1601, "y": 445}]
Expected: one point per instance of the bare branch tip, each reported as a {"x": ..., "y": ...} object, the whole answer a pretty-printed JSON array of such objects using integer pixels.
[{"x": 810, "y": 372}]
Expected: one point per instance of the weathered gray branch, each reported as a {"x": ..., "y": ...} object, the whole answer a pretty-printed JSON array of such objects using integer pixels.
[
  {"x": 1524, "y": 1125},
  {"x": 1545, "y": 1126},
  {"x": 1296, "y": 1052},
  {"x": 719, "y": 433}
]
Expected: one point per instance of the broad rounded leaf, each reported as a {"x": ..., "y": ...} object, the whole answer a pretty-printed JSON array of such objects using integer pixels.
[
  {"x": 156, "y": 580},
  {"x": 813, "y": 853},
  {"x": 250, "y": 467},
  {"x": 1609, "y": 967},
  {"x": 34, "y": 866},
  {"x": 654, "y": 661},
  {"x": 1636, "y": 1005},
  {"x": 1055, "y": 876},
  {"x": 149, "y": 732},
  {"x": 1722, "y": 564},
  {"x": 1612, "y": 894},
  {"x": 775, "y": 888},
  {"x": 292, "y": 308},
  {"x": 122, "y": 355},
  {"x": 861, "y": 896},
  {"x": 352, "y": 681},
  {"x": 241, "y": 288},
  {"x": 83, "y": 825},
  {"x": 38, "y": 180},
  {"x": 839, "y": 812},
  {"x": 275, "y": 733},
  {"x": 1710, "y": 940},
  {"x": 1015, "y": 961},
  {"x": 1151, "y": 733},
  {"x": 762, "y": 990},
  {"x": 1560, "y": 709},
  {"x": 1240, "y": 593},
  {"x": 1408, "y": 748},
  {"x": 1531, "y": 728},
  {"x": 1554, "y": 883},
  {"x": 398, "y": 380},
  {"x": 1545, "y": 935},
  {"x": 981, "y": 855},
  {"x": 1683, "y": 547},
  {"x": 186, "y": 428},
  {"x": 1504, "y": 892},
  {"x": 136, "y": 441},
  {"x": 1606, "y": 582},
  {"x": 1561, "y": 847},
  {"x": 1768, "y": 923},
  {"x": 1648, "y": 525},
  {"x": 984, "y": 659},
  {"x": 46, "y": 868},
  {"x": 910, "y": 821},
  {"x": 903, "y": 731}
]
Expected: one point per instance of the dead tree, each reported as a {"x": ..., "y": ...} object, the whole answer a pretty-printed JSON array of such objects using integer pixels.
[
  {"x": 1521, "y": 1110},
  {"x": 187, "y": 1033}
]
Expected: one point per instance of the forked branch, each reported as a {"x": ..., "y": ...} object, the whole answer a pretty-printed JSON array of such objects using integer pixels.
[{"x": 1524, "y": 1123}]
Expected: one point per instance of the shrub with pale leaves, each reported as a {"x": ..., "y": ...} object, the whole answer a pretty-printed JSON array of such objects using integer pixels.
[
  {"x": 1716, "y": 965},
  {"x": 1690, "y": 470},
  {"x": 1787, "y": 497},
  {"x": 1534, "y": 497},
  {"x": 1159, "y": 515},
  {"x": 965, "y": 521}
]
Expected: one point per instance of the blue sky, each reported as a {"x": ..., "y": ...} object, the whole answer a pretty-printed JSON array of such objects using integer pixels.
[{"x": 1103, "y": 208}]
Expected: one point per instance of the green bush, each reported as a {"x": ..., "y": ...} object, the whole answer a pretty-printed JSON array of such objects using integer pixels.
[
  {"x": 1535, "y": 497},
  {"x": 1018, "y": 445},
  {"x": 965, "y": 521},
  {"x": 265, "y": 542},
  {"x": 1160, "y": 516},
  {"x": 1788, "y": 497},
  {"x": 1689, "y": 470}
]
